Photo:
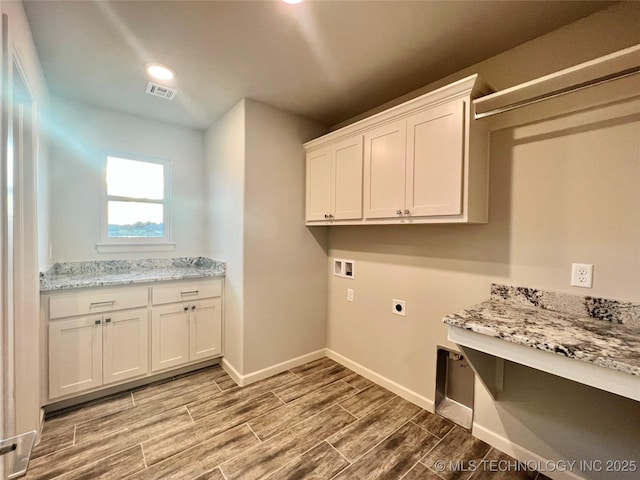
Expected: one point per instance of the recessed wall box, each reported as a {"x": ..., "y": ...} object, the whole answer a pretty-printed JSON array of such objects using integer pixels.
[
  {"x": 343, "y": 268},
  {"x": 348, "y": 268},
  {"x": 399, "y": 307}
]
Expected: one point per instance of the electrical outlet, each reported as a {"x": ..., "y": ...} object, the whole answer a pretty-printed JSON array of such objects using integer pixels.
[
  {"x": 349, "y": 294},
  {"x": 582, "y": 275},
  {"x": 399, "y": 307}
]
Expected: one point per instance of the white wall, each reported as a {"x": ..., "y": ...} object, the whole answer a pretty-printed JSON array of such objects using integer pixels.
[
  {"x": 44, "y": 203},
  {"x": 562, "y": 190},
  {"x": 224, "y": 184},
  {"x": 80, "y": 134}
]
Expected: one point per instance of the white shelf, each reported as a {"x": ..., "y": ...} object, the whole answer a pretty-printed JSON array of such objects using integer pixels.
[
  {"x": 614, "y": 381},
  {"x": 621, "y": 64}
]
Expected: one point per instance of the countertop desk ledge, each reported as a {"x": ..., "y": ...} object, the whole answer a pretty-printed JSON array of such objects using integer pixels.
[
  {"x": 591, "y": 340},
  {"x": 69, "y": 275}
]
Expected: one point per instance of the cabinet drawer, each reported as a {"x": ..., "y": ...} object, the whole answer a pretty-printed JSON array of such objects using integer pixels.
[
  {"x": 185, "y": 292},
  {"x": 97, "y": 301}
]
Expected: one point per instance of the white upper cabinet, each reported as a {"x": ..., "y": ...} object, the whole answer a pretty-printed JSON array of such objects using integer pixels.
[
  {"x": 334, "y": 181},
  {"x": 424, "y": 161},
  {"x": 319, "y": 184},
  {"x": 346, "y": 183},
  {"x": 435, "y": 161},
  {"x": 385, "y": 170}
]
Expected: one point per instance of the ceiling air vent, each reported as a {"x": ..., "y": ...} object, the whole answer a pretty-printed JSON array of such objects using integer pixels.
[{"x": 161, "y": 91}]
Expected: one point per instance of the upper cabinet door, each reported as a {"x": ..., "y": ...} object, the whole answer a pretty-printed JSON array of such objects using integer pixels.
[
  {"x": 435, "y": 159},
  {"x": 347, "y": 179},
  {"x": 384, "y": 170},
  {"x": 318, "y": 192}
]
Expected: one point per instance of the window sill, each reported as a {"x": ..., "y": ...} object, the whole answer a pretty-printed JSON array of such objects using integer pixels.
[{"x": 125, "y": 247}]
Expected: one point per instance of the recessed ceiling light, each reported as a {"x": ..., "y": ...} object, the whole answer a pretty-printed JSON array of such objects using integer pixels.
[
  {"x": 292, "y": 2},
  {"x": 159, "y": 71}
]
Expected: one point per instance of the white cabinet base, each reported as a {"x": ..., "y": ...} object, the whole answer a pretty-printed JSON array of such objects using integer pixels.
[
  {"x": 98, "y": 346},
  {"x": 185, "y": 332}
]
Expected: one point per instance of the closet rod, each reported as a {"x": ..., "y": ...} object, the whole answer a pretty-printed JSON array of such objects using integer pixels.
[{"x": 556, "y": 93}]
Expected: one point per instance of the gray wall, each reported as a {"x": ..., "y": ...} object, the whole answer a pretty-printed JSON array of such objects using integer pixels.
[
  {"x": 275, "y": 290},
  {"x": 285, "y": 284}
]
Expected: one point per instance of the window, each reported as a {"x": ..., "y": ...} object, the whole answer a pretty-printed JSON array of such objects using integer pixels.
[{"x": 136, "y": 201}]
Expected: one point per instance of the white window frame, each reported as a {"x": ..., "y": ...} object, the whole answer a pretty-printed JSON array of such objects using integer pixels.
[{"x": 133, "y": 244}]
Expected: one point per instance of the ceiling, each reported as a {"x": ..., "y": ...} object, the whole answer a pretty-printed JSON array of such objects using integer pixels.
[{"x": 324, "y": 60}]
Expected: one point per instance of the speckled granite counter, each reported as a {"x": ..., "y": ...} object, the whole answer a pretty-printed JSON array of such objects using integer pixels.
[
  {"x": 598, "y": 332},
  {"x": 61, "y": 276}
]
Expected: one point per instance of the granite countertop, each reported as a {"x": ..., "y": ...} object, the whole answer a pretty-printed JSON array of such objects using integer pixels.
[
  {"x": 600, "y": 331},
  {"x": 68, "y": 275}
]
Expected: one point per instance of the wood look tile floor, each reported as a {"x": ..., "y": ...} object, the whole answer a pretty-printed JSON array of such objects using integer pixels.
[{"x": 317, "y": 421}]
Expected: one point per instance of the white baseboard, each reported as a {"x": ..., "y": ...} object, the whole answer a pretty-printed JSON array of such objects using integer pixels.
[
  {"x": 40, "y": 426},
  {"x": 233, "y": 373},
  {"x": 252, "y": 377},
  {"x": 410, "y": 395},
  {"x": 522, "y": 454}
]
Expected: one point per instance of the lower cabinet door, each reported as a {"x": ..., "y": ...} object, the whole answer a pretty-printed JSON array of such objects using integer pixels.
[
  {"x": 125, "y": 342},
  {"x": 205, "y": 329},
  {"x": 169, "y": 336},
  {"x": 75, "y": 355}
]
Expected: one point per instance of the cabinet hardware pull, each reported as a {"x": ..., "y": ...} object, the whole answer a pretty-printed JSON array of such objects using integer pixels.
[
  {"x": 398, "y": 212},
  {"x": 407, "y": 212},
  {"x": 193, "y": 307},
  {"x": 191, "y": 292},
  {"x": 107, "y": 320},
  {"x": 100, "y": 304},
  {"x": 326, "y": 216},
  {"x": 186, "y": 308},
  {"x": 97, "y": 322}
]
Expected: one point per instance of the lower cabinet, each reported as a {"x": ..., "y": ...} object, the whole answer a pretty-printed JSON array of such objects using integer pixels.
[
  {"x": 106, "y": 336},
  {"x": 185, "y": 332},
  {"x": 125, "y": 346},
  {"x": 205, "y": 327},
  {"x": 95, "y": 350}
]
